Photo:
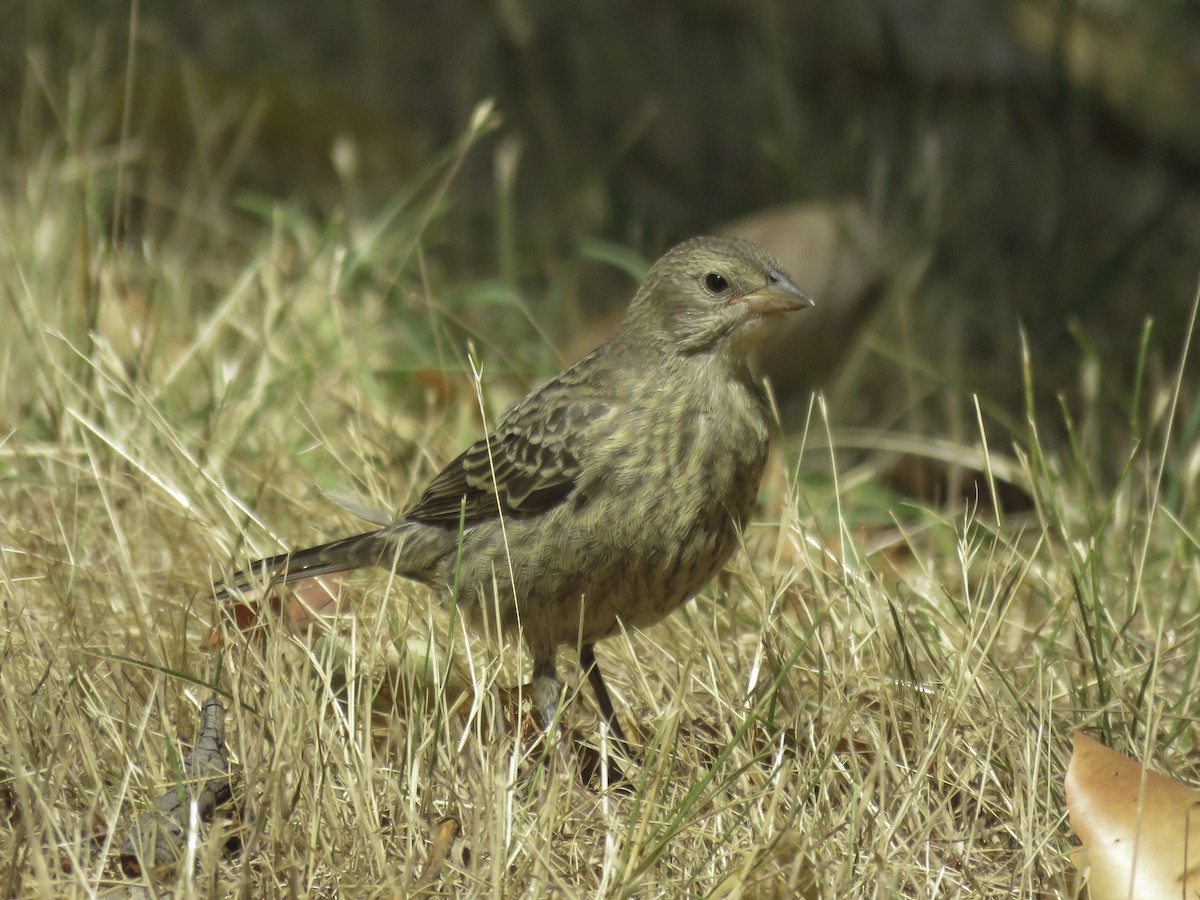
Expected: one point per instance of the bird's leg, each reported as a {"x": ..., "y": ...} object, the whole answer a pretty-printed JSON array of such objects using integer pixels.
[
  {"x": 587, "y": 659},
  {"x": 547, "y": 692},
  {"x": 547, "y": 696}
]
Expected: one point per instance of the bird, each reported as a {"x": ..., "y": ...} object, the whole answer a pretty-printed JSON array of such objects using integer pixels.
[{"x": 608, "y": 496}]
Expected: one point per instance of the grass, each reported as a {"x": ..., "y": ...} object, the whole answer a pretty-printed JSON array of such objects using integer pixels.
[{"x": 875, "y": 699}]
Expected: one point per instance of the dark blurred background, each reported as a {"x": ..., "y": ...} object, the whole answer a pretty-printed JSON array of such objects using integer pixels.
[{"x": 953, "y": 171}]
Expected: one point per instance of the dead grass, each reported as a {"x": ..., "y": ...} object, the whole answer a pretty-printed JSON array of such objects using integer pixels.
[{"x": 877, "y": 701}]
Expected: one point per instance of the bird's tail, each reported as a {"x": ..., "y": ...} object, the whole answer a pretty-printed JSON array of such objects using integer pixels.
[{"x": 371, "y": 548}]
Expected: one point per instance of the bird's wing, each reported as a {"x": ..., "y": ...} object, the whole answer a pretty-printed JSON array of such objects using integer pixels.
[{"x": 530, "y": 462}]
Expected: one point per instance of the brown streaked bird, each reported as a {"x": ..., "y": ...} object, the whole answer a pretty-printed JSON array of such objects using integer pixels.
[{"x": 611, "y": 494}]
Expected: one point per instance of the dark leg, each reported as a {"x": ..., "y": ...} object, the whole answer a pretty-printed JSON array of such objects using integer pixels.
[{"x": 587, "y": 659}]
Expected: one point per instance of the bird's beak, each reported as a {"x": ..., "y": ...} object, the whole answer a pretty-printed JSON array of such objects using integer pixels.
[{"x": 779, "y": 295}]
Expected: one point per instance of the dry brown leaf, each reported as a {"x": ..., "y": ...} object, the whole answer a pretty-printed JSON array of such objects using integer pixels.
[
  {"x": 305, "y": 601},
  {"x": 445, "y": 834},
  {"x": 1140, "y": 830}
]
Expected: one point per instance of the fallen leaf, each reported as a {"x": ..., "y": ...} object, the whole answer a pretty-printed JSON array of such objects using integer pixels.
[{"x": 1136, "y": 826}]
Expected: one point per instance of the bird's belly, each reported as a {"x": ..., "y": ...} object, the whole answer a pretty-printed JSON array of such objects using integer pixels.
[
  {"x": 602, "y": 579},
  {"x": 650, "y": 590},
  {"x": 573, "y": 597}
]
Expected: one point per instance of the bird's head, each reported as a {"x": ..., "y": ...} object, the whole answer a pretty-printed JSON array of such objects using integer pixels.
[{"x": 712, "y": 295}]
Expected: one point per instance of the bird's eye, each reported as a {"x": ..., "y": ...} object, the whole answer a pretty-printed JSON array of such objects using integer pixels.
[{"x": 716, "y": 283}]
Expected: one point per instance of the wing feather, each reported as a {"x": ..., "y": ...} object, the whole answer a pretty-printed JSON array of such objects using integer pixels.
[{"x": 532, "y": 461}]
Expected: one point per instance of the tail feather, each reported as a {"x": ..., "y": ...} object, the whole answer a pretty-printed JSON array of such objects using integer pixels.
[{"x": 357, "y": 552}]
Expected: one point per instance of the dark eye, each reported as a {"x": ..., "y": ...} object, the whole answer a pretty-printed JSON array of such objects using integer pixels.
[{"x": 716, "y": 283}]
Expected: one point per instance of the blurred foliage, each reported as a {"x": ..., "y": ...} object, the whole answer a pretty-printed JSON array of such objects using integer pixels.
[{"x": 1044, "y": 156}]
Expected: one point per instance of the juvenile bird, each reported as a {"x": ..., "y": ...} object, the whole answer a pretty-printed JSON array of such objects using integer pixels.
[{"x": 612, "y": 493}]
